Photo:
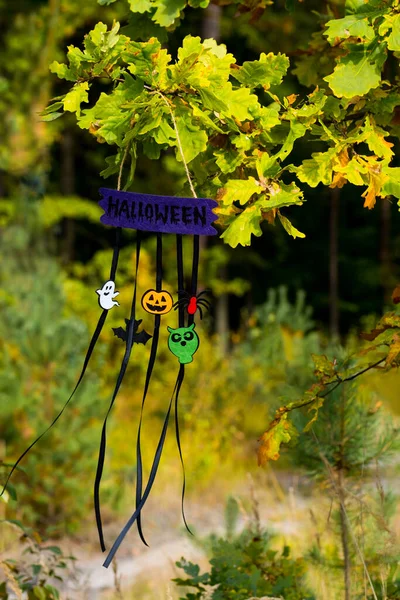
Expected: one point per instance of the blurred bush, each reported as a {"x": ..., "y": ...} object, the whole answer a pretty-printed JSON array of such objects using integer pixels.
[
  {"x": 39, "y": 572},
  {"x": 41, "y": 351}
]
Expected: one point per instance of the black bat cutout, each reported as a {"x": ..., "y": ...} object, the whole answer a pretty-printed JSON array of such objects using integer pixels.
[{"x": 138, "y": 338}]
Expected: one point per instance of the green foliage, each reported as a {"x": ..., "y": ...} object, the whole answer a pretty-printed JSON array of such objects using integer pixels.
[
  {"x": 330, "y": 374},
  {"x": 244, "y": 566},
  {"x": 190, "y": 105},
  {"x": 344, "y": 437},
  {"x": 236, "y": 135},
  {"x": 279, "y": 310},
  {"x": 372, "y": 435},
  {"x": 40, "y": 357},
  {"x": 37, "y": 572},
  {"x": 53, "y": 209}
]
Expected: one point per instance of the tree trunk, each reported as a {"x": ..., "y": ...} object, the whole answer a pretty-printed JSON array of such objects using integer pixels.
[
  {"x": 68, "y": 189},
  {"x": 334, "y": 264},
  {"x": 211, "y": 28},
  {"x": 222, "y": 317},
  {"x": 212, "y": 22},
  {"x": 385, "y": 258},
  {"x": 344, "y": 533},
  {"x": 344, "y": 525}
]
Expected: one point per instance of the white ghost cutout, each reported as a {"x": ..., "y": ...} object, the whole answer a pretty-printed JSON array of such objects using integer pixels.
[{"x": 106, "y": 295}]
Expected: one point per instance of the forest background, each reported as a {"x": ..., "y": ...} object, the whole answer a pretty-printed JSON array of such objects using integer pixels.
[{"x": 275, "y": 304}]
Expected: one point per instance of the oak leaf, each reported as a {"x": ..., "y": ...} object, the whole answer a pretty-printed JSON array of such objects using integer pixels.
[{"x": 279, "y": 432}]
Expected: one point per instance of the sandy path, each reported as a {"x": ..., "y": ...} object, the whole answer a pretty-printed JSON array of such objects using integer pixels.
[
  {"x": 169, "y": 542},
  {"x": 94, "y": 580}
]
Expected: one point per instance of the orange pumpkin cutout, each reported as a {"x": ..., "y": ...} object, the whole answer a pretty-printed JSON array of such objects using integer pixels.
[{"x": 157, "y": 303}]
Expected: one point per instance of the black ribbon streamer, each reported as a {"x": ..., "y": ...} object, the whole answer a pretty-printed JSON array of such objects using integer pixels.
[
  {"x": 178, "y": 443},
  {"x": 124, "y": 364},
  {"x": 181, "y": 283},
  {"x": 152, "y": 476},
  {"x": 152, "y": 359},
  {"x": 195, "y": 271},
  {"x": 193, "y": 291},
  {"x": 89, "y": 352}
]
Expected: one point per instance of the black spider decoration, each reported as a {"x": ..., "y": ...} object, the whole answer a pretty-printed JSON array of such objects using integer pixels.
[{"x": 193, "y": 303}]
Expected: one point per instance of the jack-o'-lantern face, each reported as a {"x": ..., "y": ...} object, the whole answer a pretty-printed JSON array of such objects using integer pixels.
[{"x": 157, "y": 303}]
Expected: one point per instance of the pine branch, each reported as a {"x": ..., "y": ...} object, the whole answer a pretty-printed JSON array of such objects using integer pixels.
[{"x": 338, "y": 382}]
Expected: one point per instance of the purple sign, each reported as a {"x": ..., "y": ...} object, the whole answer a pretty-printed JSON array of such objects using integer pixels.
[{"x": 164, "y": 214}]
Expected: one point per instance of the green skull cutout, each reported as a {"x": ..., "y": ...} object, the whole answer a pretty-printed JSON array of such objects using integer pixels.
[{"x": 183, "y": 342}]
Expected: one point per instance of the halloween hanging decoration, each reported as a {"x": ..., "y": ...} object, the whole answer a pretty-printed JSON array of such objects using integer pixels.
[
  {"x": 141, "y": 337},
  {"x": 183, "y": 342},
  {"x": 160, "y": 215},
  {"x": 106, "y": 295},
  {"x": 193, "y": 303},
  {"x": 157, "y": 303}
]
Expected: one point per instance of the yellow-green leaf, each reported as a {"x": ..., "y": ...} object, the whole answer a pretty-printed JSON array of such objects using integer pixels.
[
  {"x": 193, "y": 139},
  {"x": 291, "y": 230},
  {"x": 74, "y": 98},
  {"x": 244, "y": 225},
  {"x": 350, "y": 26},
  {"x": 317, "y": 169},
  {"x": 281, "y": 431},
  {"x": 268, "y": 70},
  {"x": 393, "y": 40},
  {"x": 315, "y": 406},
  {"x": 391, "y": 186},
  {"x": 240, "y": 190},
  {"x": 375, "y": 139},
  {"x": 167, "y": 11},
  {"x": 140, "y": 6},
  {"x": 358, "y": 72}
]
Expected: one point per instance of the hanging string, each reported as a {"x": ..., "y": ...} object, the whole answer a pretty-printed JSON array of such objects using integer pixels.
[
  {"x": 152, "y": 359},
  {"x": 103, "y": 442},
  {"x": 179, "y": 142}
]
